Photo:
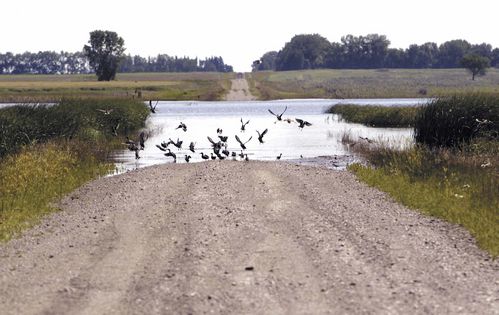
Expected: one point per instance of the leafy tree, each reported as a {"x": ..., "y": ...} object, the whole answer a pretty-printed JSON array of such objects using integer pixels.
[
  {"x": 475, "y": 64},
  {"x": 306, "y": 51},
  {"x": 266, "y": 62},
  {"x": 495, "y": 58},
  {"x": 105, "y": 53},
  {"x": 451, "y": 53}
]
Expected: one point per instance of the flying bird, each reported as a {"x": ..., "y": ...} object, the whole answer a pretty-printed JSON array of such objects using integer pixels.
[
  {"x": 153, "y": 108},
  {"x": 171, "y": 154},
  {"x": 260, "y": 135},
  {"x": 302, "y": 123},
  {"x": 223, "y": 138},
  {"x": 178, "y": 144},
  {"x": 279, "y": 117},
  {"x": 187, "y": 158},
  {"x": 243, "y": 144},
  {"x": 191, "y": 147},
  {"x": 219, "y": 131},
  {"x": 182, "y": 126},
  {"x": 243, "y": 125},
  {"x": 142, "y": 140}
]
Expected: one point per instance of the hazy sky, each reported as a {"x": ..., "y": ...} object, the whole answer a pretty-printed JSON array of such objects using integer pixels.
[{"x": 239, "y": 31}]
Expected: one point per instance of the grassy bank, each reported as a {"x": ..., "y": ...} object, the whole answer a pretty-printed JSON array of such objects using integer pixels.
[
  {"x": 164, "y": 86},
  {"x": 376, "y": 116},
  {"x": 48, "y": 151},
  {"x": 380, "y": 83},
  {"x": 455, "y": 176}
]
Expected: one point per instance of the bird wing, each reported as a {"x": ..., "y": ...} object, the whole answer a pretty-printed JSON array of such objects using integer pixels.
[
  {"x": 272, "y": 113},
  {"x": 161, "y": 148},
  {"x": 284, "y": 110},
  {"x": 101, "y": 110},
  {"x": 211, "y": 140},
  {"x": 264, "y": 132},
  {"x": 248, "y": 139},
  {"x": 239, "y": 140},
  {"x": 247, "y": 123},
  {"x": 307, "y": 123},
  {"x": 300, "y": 121}
]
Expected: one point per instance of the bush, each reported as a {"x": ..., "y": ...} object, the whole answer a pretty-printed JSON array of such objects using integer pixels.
[
  {"x": 457, "y": 120},
  {"x": 376, "y": 116}
]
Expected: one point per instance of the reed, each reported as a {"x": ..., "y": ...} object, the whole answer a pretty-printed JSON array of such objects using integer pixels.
[
  {"x": 457, "y": 120},
  {"x": 376, "y": 116}
]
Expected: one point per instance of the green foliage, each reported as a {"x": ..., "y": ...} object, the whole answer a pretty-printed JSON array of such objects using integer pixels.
[
  {"x": 303, "y": 52},
  {"x": 39, "y": 175},
  {"x": 456, "y": 120},
  {"x": 71, "y": 118},
  {"x": 105, "y": 53},
  {"x": 376, "y": 116},
  {"x": 459, "y": 186},
  {"x": 475, "y": 64}
]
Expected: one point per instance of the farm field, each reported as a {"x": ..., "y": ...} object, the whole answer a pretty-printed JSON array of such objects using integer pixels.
[
  {"x": 376, "y": 83},
  {"x": 164, "y": 86}
]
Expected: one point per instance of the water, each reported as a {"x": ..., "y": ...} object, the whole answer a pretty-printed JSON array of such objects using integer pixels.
[{"x": 323, "y": 138}]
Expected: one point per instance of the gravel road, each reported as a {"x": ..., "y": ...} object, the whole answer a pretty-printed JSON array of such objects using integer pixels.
[
  {"x": 239, "y": 91},
  {"x": 242, "y": 238}
]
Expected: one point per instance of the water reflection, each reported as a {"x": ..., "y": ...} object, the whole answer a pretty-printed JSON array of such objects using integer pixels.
[{"x": 204, "y": 118}]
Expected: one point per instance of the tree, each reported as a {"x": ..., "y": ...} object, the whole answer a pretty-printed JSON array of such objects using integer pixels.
[
  {"x": 306, "y": 51},
  {"x": 105, "y": 53},
  {"x": 451, "y": 53},
  {"x": 476, "y": 64}
]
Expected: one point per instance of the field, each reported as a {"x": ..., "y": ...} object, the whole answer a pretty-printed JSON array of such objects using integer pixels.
[
  {"x": 380, "y": 83},
  {"x": 164, "y": 86}
]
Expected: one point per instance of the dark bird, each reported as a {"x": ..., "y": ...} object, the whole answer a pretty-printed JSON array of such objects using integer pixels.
[
  {"x": 233, "y": 154},
  {"x": 105, "y": 111},
  {"x": 219, "y": 131},
  {"x": 243, "y": 125},
  {"x": 153, "y": 109},
  {"x": 191, "y": 147},
  {"x": 243, "y": 144},
  {"x": 260, "y": 135},
  {"x": 142, "y": 140},
  {"x": 115, "y": 129},
  {"x": 213, "y": 157},
  {"x": 226, "y": 152},
  {"x": 288, "y": 120},
  {"x": 171, "y": 154},
  {"x": 204, "y": 156},
  {"x": 302, "y": 123},
  {"x": 187, "y": 158},
  {"x": 246, "y": 158},
  {"x": 279, "y": 156},
  {"x": 216, "y": 145},
  {"x": 128, "y": 141},
  {"x": 279, "y": 117},
  {"x": 241, "y": 155},
  {"x": 161, "y": 147},
  {"x": 182, "y": 126},
  {"x": 221, "y": 157},
  {"x": 178, "y": 144},
  {"x": 223, "y": 138}
]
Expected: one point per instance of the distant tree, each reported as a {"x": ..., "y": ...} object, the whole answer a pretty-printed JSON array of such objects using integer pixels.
[
  {"x": 105, "y": 53},
  {"x": 306, "y": 51},
  {"x": 451, "y": 53},
  {"x": 495, "y": 58},
  {"x": 266, "y": 62},
  {"x": 475, "y": 64}
]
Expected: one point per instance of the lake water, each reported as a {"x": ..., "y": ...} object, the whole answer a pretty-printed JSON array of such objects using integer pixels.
[{"x": 202, "y": 119}]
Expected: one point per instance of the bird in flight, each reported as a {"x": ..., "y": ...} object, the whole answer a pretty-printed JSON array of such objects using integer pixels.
[
  {"x": 243, "y": 124},
  {"x": 182, "y": 126},
  {"x": 279, "y": 117},
  {"x": 105, "y": 111},
  {"x": 153, "y": 108},
  {"x": 302, "y": 123},
  {"x": 187, "y": 158},
  {"x": 243, "y": 144},
  {"x": 173, "y": 155},
  {"x": 260, "y": 135},
  {"x": 191, "y": 147}
]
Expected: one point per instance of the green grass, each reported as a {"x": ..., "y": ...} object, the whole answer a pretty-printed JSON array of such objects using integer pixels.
[
  {"x": 458, "y": 119},
  {"x": 380, "y": 83},
  {"x": 48, "y": 151},
  {"x": 36, "y": 177},
  {"x": 376, "y": 116},
  {"x": 163, "y": 86}
]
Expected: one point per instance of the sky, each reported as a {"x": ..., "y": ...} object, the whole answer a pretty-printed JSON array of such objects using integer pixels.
[{"x": 239, "y": 31}]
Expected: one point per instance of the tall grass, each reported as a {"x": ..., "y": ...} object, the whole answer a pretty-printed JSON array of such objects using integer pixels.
[
  {"x": 47, "y": 151},
  {"x": 453, "y": 170},
  {"x": 456, "y": 120},
  {"x": 376, "y": 116},
  {"x": 70, "y": 119},
  {"x": 36, "y": 176}
]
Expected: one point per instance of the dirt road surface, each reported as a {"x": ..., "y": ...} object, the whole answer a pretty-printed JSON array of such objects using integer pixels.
[
  {"x": 242, "y": 238},
  {"x": 240, "y": 91}
]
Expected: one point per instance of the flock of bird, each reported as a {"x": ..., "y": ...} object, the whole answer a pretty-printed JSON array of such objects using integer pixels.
[{"x": 219, "y": 147}]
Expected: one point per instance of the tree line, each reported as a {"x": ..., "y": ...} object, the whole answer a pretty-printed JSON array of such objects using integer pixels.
[
  {"x": 50, "y": 62},
  {"x": 312, "y": 51}
]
